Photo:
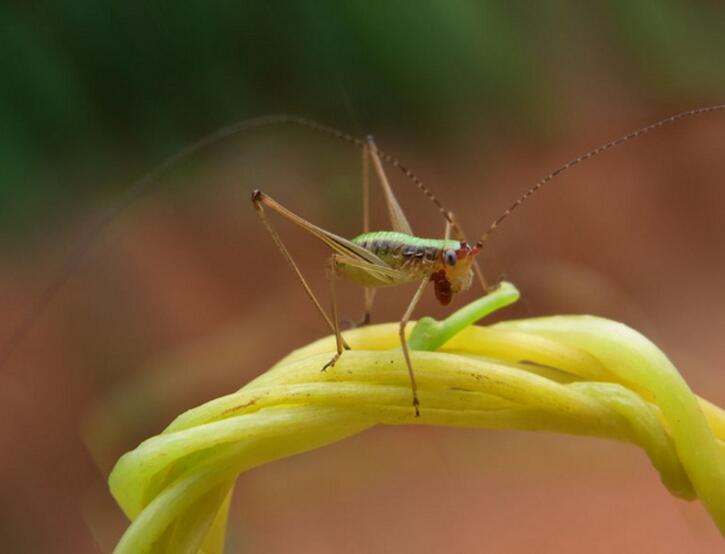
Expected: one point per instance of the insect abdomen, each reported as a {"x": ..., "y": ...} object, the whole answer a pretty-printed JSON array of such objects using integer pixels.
[{"x": 414, "y": 257}]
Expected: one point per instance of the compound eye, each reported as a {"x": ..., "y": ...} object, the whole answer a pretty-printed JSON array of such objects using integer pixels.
[{"x": 450, "y": 257}]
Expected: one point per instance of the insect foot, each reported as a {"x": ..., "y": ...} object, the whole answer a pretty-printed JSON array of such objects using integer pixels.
[
  {"x": 356, "y": 324},
  {"x": 416, "y": 405},
  {"x": 332, "y": 362}
]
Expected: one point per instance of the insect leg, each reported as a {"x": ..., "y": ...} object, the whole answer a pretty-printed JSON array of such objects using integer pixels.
[
  {"x": 331, "y": 276},
  {"x": 369, "y": 293},
  {"x": 404, "y": 343},
  {"x": 397, "y": 217},
  {"x": 257, "y": 200},
  {"x": 369, "y": 297},
  {"x": 366, "y": 186}
]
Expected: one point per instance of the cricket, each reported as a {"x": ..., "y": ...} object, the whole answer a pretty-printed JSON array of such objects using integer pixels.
[
  {"x": 377, "y": 259},
  {"x": 371, "y": 260}
]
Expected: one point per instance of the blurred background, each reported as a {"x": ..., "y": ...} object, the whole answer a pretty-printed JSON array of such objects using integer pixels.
[{"x": 184, "y": 298}]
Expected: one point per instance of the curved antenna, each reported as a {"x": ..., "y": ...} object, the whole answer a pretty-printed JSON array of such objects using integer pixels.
[
  {"x": 146, "y": 182},
  {"x": 392, "y": 160},
  {"x": 608, "y": 146}
]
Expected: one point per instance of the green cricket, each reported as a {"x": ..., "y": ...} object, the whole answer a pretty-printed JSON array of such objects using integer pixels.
[{"x": 377, "y": 259}]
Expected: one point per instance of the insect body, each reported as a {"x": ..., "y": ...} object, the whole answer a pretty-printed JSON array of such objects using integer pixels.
[{"x": 448, "y": 263}]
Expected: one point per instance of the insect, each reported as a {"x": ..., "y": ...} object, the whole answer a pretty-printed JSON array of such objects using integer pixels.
[
  {"x": 371, "y": 260},
  {"x": 390, "y": 258},
  {"x": 377, "y": 259}
]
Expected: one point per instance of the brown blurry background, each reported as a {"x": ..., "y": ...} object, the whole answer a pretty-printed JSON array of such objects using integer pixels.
[{"x": 185, "y": 298}]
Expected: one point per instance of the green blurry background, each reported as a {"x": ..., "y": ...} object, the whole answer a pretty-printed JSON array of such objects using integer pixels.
[
  {"x": 88, "y": 85},
  {"x": 481, "y": 99}
]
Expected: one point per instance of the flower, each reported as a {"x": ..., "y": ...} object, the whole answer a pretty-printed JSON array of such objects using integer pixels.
[{"x": 580, "y": 375}]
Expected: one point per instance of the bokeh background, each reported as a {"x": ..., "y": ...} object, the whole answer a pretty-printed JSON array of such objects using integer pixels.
[{"x": 184, "y": 297}]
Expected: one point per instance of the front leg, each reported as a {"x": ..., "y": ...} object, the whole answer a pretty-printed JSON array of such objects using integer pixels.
[{"x": 404, "y": 343}]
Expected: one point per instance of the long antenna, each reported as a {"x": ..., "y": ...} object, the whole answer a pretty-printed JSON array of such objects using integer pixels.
[
  {"x": 146, "y": 183},
  {"x": 608, "y": 146},
  {"x": 395, "y": 162}
]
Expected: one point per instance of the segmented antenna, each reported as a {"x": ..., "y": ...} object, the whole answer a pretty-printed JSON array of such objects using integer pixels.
[
  {"x": 145, "y": 183},
  {"x": 392, "y": 160},
  {"x": 608, "y": 146}
]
